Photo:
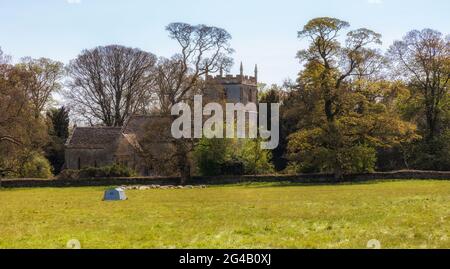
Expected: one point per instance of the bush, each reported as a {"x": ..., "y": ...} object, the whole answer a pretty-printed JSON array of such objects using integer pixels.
[
  {"x": 292, "y": 168},
  {"x": 210, "y": 156},
  {"x": 97, "y": 172},
  {"x": 232, "y": 157},
  {"x": 120, "y": 171},
  {"x": 36, "y": 167},
  {"x": 93, "y": 172},
  {"x": 69, "y": 174},
  {"x": 232, "y": 167},
  {"x": 313, "y": 151},
  {"x": 256, "y": 160},
  {"x": 431, "y": 155}
]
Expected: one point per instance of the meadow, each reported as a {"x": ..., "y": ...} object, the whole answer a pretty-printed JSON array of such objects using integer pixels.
[{"x": 400, "y": 214}]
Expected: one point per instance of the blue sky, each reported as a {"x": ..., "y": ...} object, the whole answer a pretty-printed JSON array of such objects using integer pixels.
[{"x": 264, "y": 32}]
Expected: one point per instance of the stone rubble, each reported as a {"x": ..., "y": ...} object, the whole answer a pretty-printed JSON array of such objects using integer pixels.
[{"x": 162, "y": 187}]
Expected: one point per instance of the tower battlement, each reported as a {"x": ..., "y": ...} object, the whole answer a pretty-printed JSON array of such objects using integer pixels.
[
  {"x": 235, "y": 79},
  {"x": 232, "y": 79},
  {"x": 235, "y": 88}
]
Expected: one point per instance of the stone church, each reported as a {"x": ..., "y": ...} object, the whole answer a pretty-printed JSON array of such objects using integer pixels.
[{"x": 102, "y": 146}]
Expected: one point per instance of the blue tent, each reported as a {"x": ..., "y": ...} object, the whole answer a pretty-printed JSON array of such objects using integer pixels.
[{"x": 116, "y": 194}]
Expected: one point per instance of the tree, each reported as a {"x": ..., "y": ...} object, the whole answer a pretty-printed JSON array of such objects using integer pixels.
[
  {"x": 228, "y": 156},
  {"x": 422, "y": 61},
  {"x": 335, "y": 64},
  {"x": 203, "y": 49},
  {"x": 422, "y": 58},
  {"x": 59, "y": 132},
  {"x": 256, "y": 160},
  {"x": 108, "y": 84},
  {"x": 341, "y": 96},
  {"x": 4, "y": 59},
  {"x": 43, "y": 80},
  {"x": 276, "y": 94},
  {"x": 21, "y": 134},
  {"x": 211, "y": 155},
  {"x": 36, "y": 166}
]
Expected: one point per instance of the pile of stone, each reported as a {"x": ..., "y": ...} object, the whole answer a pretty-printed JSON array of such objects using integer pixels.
[{"x": 163, "y": 187}]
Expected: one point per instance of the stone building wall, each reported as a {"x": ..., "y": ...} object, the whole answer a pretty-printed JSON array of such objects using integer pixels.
[{"x": 77, "y": 158}]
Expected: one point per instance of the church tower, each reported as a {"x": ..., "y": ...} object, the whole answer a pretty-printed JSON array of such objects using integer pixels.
[{"x": 235, "y": 89}]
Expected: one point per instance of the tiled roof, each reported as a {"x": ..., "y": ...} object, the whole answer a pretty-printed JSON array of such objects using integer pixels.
[
  {"x": 139, "y": 125},
  {"x": 101, "y": 137},
  {"x": 93, "y": 137},
  {"x": 136, "y": 123}
]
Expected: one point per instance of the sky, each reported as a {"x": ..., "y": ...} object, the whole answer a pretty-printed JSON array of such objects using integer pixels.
[{"x": 264, "y": 32}]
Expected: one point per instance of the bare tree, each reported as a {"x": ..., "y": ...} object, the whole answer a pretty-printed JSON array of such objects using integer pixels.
[
  {"x": 422, "y": 58},
  {"x": 4, "y": 59},
  {"x": 43, "y": 80},
  {"x": 108, "y": 84},
  {"x": 203, "y": 49}
]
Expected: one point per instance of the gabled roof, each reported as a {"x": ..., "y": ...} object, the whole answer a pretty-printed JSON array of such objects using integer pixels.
[
  {"x": 102, "y": 137},
  {"x": 138, "y": 125},
  {"x": 93, "y": 137}
]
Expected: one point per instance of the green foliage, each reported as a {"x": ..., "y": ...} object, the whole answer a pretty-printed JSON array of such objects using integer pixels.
[
  {"x": 255, "y": 160},
  {"x": 115, "y": 170},
  {"x": 54, "y": 151},
  {"x": 58, "y": 122},
  {"x": 349, "y": 143},
  {"x": 315, "y": 151},
  {"x": 21, "y": 133},
  {"x": 428, "y": 153},
  {"x": 59, "y": 118},
  {"x": 36, "y": 167},
  {"x": 347, "y": 111},
  {"x": 93, "y": 172},
  {"x": 431, "y": 155},
  {"x": 231, "y": 156},
  {"x": 120, "y": 171},
  {"x": 275, "y": 94},
  {"x": 211, "y": 154}
]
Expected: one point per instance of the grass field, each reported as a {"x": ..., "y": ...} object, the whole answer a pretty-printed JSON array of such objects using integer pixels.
[{"x": 407, "y": 214}]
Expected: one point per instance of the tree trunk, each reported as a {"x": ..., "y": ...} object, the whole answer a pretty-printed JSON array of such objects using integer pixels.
[
  {"x": 431, "y": 125},
  {"x": 185, "y": 174},
  {"x": 329, "y": 111},
  {"x": 183, "y": 165},
  {"x": 338, "y": 175}
]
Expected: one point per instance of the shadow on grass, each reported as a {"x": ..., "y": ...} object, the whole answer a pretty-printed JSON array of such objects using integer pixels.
[
  {"x": 285, "y": 184},
  {"x": 265, "y": 183}
]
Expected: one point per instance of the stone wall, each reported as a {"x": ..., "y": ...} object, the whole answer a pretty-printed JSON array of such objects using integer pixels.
[
  {"x": 302, "y": 178},
  {"x": 76, "y": 157}
]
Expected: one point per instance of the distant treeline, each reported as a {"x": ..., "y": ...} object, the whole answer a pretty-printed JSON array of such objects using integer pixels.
[{"x": 352, "y": 109}]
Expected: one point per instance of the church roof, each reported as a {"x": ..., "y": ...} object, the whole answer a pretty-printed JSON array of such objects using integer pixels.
[
  {"x": 93, "y": 137},
  {"x": 136, "y": 123},
  {"x": 102, "y": 137}
]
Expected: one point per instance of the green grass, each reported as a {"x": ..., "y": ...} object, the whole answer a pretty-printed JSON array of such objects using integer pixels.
[{"x": 407, "y": 214}]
